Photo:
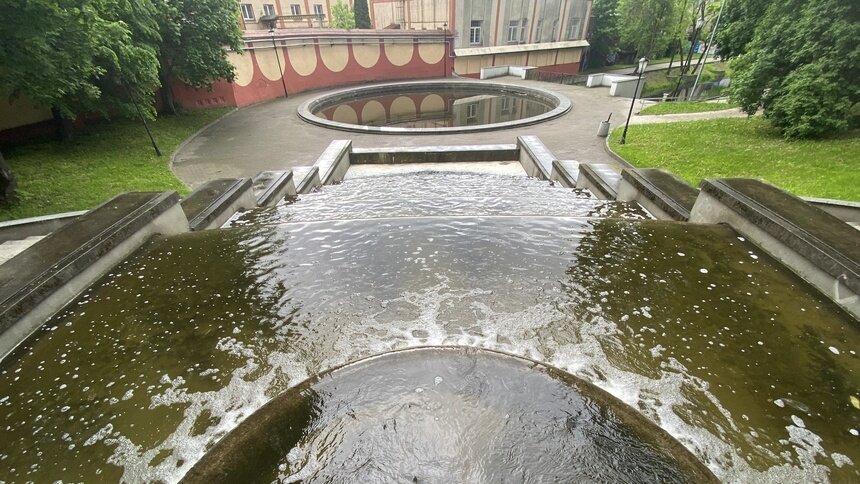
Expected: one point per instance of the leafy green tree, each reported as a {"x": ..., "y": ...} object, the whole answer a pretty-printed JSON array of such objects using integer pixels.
[
  {"x": 362, "y": 16},
  {"x": 52, "y": 53},
  {"x": 604, "y": 32},
  {"x": 646, "y": 26},
  {"x": 342, "y": 17},
  {"x": 739, "y": 24},
  {"x": 802, "y": 66},
  {"x": 194, "y": 34}
]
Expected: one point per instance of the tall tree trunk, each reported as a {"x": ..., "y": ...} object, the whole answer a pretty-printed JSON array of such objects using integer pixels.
[
  {"x": 65, "y": 127},
  {"x": 167, "y": 100}
]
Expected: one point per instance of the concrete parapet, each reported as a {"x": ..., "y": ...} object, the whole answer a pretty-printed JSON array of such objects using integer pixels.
[
  {"x": 434, "y": 154},
  {"x": 565, "y": 172},
  {"x": 662, "y": 193},
  {"x": 214, "y": 202},
  {"x": 333, "y": 163},
  {"x": 270, "y": 187},
  {"x": 535, "y": 157},
  {"x": 307, "y": 178},
  {"x": 600, "y": 179},
  {"x": 820, "y": 248},
  {"x": 40, "y": 281}
]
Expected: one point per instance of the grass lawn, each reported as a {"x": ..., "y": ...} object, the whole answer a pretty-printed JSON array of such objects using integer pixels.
[
  {"x": 747, "y": 148},
  {"x": 104, "y": 159},
  {"x": 685, "y": 107}
]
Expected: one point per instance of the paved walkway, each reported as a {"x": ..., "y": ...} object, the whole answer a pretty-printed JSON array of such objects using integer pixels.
[
  {"x": 270, "y": 136},
  {"x": 656, "y": 67},
  {"x": 673, "y": 118}
]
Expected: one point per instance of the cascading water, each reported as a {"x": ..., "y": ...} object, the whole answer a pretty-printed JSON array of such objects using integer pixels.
[{"x": 690, "y": 324}]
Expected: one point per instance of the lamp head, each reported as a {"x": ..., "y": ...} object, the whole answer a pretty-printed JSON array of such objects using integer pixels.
[{"x": 643, "y": 63}]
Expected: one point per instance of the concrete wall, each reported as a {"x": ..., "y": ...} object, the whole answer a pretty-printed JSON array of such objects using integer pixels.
[
  {"x": 562, "y": 57},
  {"x": 318, "y": 59}
]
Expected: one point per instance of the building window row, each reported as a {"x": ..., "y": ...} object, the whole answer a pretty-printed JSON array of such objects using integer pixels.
[
  {"x": 295, "y": 9},
  {"x": 517, "y": 31}
]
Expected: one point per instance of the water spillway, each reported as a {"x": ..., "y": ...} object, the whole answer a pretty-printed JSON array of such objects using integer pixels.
[{"x": 689, "y": 324}]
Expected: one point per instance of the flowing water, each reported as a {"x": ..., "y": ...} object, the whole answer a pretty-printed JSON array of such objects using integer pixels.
[{"x": 691, "y": 325}]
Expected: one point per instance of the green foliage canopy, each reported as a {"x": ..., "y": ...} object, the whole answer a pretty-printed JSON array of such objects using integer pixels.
[
  {"x": 802, "y": 66},
  {"x": 647, "y": 26},
  {"x": 342, "y": 16},
  {"x": 78, "y": 56},
  {"x": 604, "y": 32}
]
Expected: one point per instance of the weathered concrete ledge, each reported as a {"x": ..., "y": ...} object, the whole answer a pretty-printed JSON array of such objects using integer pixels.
[
  {"x": 662, "y": 193},
  {"x": 600, "y": 179},
  {"x": 214, "y": 202},
  {"x": 334, "y": 161},
  {"x": 535, "y": 157},
  {"x": 434, "y": 154},
  {"x": 818, "y": 246},
  {"x": 308, "y": 178},
  {"x": 35, "y": 226},
  {"x": 40, "y": 281},
  {"x": 565, "y": 172},
  {"x": 841, "y": 209},
  {"x": 270, "y": 187}
]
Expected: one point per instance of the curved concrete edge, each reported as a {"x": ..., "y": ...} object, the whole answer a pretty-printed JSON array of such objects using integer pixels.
[
  {"x": 191, "y": 138},
  {"x": 260, "y": 433},
  {"x": 305, "y": 111},
  {"x": 39, "y": 282},
  {"x": 609, "y": 151}
]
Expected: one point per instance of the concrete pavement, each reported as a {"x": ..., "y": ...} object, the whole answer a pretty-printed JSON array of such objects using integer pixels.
[{"x": 270, "y": 136}]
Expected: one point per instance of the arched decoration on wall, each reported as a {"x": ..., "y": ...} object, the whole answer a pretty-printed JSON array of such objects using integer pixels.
[
  {"x": 303, "y": 59},
  {"x": 431, "y": 53},
  {"x": 399, "y": 54},
  {"x": 345, "y": 114},
  {"x": 335, "y": 57},
  {"x": 269, "y": 64},
  {"x": 366, "y": 55},
  {"x": 402, "y": 106},
  {"x": 433, "y": 104},
  {"x": 244, "y": 67}
]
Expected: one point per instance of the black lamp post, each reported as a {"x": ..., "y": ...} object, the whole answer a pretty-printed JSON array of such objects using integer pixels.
[
  {"x": 277, "y": 58},
  {"x": 643, "y": 63}
]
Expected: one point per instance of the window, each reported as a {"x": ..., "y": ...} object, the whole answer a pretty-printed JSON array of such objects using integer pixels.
[
  {"x": 318, "y": 9},
  {"x": 247, "y": 11},
  {"x": 295, "y": 9},
  {"x": 268, "y": 9},
  {"x": 517, "y": 31},
  {"x": 475, "y": 32},
  {"x": 472, "y": 111},
  {"x": 507, "y": 105},
  {"x": 575, "y": 25},
  {"x": 538, "y": 30}
]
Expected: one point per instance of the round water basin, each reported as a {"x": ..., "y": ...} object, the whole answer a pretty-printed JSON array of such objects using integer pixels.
[
  {"x": 433, "y": 107},
  {"x": 447, "y": 415}
]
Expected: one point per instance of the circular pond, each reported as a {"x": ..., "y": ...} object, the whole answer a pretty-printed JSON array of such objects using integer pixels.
[
  {"x": 447, "y": 414},
  {"x": 433, "y": 107}
]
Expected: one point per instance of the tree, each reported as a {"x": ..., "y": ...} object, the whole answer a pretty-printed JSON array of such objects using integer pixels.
[
  {"x": 194, "y": 34},
  {"x": 646, "y": 26},
  {"x": 342, "y": 16},
  {"x": 604, "y": 32},
  {"x": 802, "y": 67},
  {"x": 362, "y": 16},
  {"x": 738, "y": 25}
]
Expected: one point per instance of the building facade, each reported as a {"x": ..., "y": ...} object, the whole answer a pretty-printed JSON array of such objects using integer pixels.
[{"x": 548, "y": 34}]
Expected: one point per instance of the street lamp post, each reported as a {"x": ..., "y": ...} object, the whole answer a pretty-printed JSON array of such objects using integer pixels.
[
  {"x": 280, "y": 69},
  {"x": 643, "y": 63}
]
